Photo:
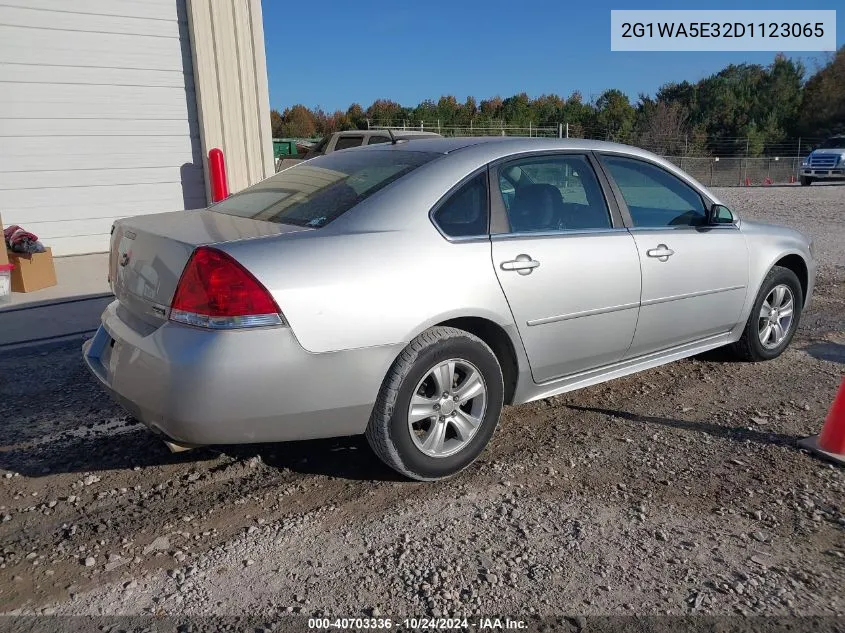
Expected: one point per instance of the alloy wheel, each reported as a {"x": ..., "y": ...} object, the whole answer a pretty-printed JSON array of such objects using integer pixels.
[
  {"x": 447, "y": 407},
  {"x": 776, "y": 316}
]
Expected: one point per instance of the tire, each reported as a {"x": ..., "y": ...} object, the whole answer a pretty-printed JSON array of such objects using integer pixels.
[
  {"x": 806, "y": 181},
  {"x": 413, "y": 373},
  {"x": 750, "y": 347}
]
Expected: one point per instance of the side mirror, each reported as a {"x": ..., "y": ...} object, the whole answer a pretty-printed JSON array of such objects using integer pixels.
[{"x": 720, "y": 214}]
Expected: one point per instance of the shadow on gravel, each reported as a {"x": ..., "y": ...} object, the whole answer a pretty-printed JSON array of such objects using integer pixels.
[
  {"x": 833, "y": 352},
  {"x": 345, "y": 458},
  {"x": 725, "y": 432},
  {"x": 719, "y": 355},
  {"x": 120, "y": 450}
]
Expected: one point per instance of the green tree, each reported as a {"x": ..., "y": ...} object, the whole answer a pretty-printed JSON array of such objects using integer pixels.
[
  {"x": 467, "y": 112},
  {"x": 447, "y": 110},
  {"x": 299, "y": 122},
  {"x": 491, "y": 109},
  {"x": 823, "y": 110},
  {"x": 516, "y": 110},
  {"x": 277, "y": 124},
  {"x": 615, "y": 115},
  {"x": 385, "y": 112},
  {"x": 425, "y": 112},
  {"x": 356, "y": 116}
]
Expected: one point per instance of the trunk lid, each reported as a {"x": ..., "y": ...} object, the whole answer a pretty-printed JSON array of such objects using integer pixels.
[{"x": 149, "y": 252}]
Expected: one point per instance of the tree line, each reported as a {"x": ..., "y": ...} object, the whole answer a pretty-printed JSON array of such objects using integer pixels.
[{"x": 744, "y": 109}]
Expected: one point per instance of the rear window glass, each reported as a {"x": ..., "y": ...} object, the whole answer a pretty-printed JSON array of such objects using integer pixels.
[
  {"x": 320, "y": 190},
  {"x": 345, "y": 142}
]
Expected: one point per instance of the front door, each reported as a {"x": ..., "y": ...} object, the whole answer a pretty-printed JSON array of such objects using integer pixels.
[
  {"x": 570, "y": 273},
  {"x": 694, "y": 276}
]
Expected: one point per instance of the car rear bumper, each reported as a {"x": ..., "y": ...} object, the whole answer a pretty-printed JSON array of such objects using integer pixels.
[{"x": 210, "y": 387}]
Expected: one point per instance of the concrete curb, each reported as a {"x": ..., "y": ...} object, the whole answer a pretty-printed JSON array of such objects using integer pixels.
[{"x": 48, "y": 321}]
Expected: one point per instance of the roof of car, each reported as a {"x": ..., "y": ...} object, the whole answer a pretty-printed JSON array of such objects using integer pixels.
[
  {"x": 506, "y": 144},
  {"x": 384, "y": 132}
]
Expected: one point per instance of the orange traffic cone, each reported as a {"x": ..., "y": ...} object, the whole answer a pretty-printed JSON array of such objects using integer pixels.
[
  {"x": 747, "y": 181},
  {"x": 792, "y": 180},
  {"x": 831, "y": 441}
]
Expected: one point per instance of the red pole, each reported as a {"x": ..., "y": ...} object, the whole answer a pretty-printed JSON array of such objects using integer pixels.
[{"x": 217, "y": 171}]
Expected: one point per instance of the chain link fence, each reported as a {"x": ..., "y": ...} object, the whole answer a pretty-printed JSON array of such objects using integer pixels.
[
  {"x": 738, "y": 171},
  {"x": 713, "y": 171}
]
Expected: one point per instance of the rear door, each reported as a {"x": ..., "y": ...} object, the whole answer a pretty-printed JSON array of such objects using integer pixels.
[
  {"x": 694, "y": 276},
  {"x": 568, "y": 267}
]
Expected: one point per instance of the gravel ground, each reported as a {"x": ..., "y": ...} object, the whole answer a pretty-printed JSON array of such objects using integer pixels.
[{"x": 679, "y": 490}]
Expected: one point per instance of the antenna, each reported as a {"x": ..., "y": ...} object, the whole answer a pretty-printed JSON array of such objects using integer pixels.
[{"x": 393, "y": 139}]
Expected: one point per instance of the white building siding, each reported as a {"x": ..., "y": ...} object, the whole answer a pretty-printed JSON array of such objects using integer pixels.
[{"x": 98, "y": 117}]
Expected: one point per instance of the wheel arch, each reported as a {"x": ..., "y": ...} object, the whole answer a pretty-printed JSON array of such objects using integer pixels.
[
  {"x": 797, "y": 264},
  {"x": 497, "y": 338},
  {"x": 790, "y": 258}
]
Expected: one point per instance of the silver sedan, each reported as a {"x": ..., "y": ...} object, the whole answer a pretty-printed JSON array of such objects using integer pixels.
[{"x": 410, "y": 290}]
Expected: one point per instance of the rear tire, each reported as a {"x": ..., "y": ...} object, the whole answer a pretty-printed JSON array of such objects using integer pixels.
[
  {"x": 806, "y": 181},
  {"x": 751, "y": 347},
  {"x": 449, "y": 440}
]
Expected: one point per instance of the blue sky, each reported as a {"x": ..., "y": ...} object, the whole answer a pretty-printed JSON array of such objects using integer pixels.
[{"x": 332, "y": 53}]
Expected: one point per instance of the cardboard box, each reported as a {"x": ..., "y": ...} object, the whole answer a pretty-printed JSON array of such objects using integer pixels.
[
  {"x": 4, "y": 258},
  {"x": 32, "y": 271}
]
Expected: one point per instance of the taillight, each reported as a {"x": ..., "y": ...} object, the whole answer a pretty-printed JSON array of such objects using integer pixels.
[{"x": 215, "y": 291}]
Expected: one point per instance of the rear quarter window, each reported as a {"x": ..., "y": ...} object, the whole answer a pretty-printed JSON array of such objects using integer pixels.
[{"x": 465, "y": 212}]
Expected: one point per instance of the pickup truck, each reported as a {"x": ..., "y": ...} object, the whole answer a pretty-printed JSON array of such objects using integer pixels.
[
  {"x": 352, "y": 138},
  {"x": 827, "y": 162}
]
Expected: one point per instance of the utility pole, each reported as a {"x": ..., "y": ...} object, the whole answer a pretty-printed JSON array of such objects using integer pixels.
[{"x": 746, "y": 158}]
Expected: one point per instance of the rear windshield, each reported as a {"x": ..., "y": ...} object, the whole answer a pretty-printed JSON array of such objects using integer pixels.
[{"x": 318, "y": 191}]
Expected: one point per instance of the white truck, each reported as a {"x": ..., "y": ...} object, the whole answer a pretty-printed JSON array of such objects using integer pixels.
[
  {"x": 825, "y": 163},
  {"x": 353, "y": 138}
]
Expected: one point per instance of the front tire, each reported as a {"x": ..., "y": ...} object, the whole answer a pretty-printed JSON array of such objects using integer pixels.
[
  {"x": 438, "y": 406},
  {"x": 774, "y": 317},
  {"x": 806, "y": 181}
]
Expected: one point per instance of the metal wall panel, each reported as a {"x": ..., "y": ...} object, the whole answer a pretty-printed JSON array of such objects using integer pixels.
[
  {"x": 230, "y": 76},
  {"x": 98, "y": 116}
]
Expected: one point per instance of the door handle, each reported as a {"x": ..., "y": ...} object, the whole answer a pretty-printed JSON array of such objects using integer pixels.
[
  {"x": 523, "y": 264},
  {"x": 662, "y": 252}
]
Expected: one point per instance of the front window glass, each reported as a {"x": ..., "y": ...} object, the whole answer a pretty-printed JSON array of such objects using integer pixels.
[
  {"x": 320, "y": 190},
  {"x": 655, "y": 198}
]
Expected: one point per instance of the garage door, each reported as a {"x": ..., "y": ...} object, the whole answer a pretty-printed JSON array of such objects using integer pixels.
[{"x": 97, "y": 117}]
